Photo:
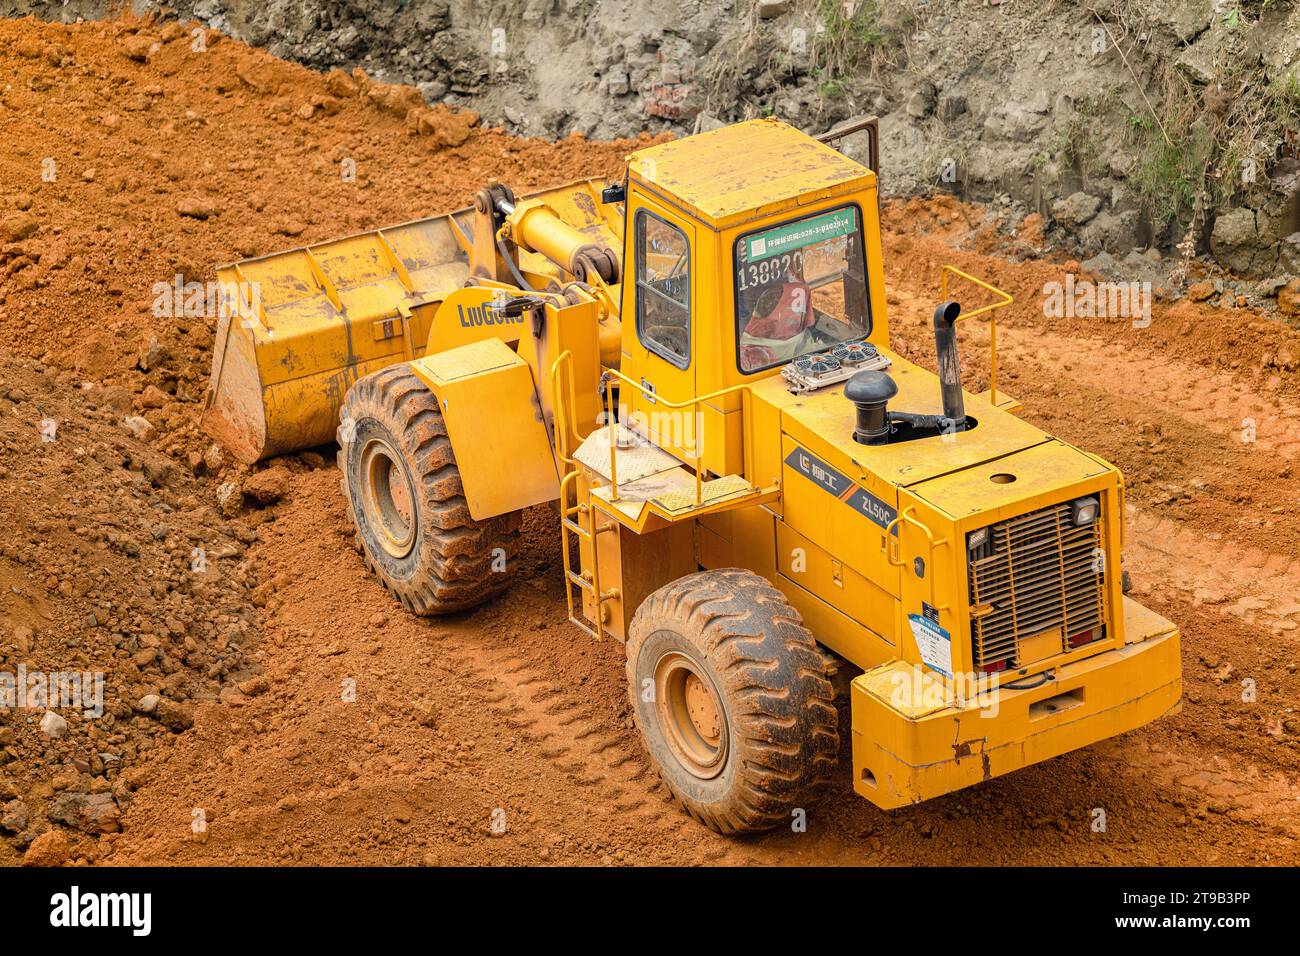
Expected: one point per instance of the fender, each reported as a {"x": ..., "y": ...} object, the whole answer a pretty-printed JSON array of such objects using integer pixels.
[
  {"x": 467, "y": 316},
  {"x": 494, "y": 421}
]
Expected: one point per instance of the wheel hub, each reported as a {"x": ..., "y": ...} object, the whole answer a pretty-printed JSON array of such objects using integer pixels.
[
  {"x": 691, "y": 714},
  {"x": 388, "y": 497}
]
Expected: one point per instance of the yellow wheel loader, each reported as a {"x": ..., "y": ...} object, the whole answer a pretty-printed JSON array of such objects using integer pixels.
[{"x": 693, "y": 366}]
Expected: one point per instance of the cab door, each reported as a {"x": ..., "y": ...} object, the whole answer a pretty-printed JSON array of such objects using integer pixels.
[{"x": 659, "y": 327}]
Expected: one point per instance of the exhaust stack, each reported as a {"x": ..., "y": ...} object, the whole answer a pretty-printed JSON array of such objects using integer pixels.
[{"x": 945, "y": 343}]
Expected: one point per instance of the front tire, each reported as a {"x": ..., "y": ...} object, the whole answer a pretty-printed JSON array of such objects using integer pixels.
[
  {"x": 407, "y": 503},
  {"x": 733, "y": 700}
]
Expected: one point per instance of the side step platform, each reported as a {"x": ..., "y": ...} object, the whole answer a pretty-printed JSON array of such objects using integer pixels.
[
  {"x": 644, "y": 486},
  {"x": 634, "y": 487}
]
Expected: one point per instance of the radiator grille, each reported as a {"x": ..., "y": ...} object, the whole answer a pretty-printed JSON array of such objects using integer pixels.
[{"x": 1037, "y": 574}]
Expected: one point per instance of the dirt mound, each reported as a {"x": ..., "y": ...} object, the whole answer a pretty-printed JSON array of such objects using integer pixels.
[
  {"x": 138, "y": 158},
  {"x": 118, "y": 576}
]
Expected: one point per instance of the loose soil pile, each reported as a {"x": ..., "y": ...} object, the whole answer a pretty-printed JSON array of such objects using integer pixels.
[
  {"x": 135, "y": 161},
  {"x": 113, "y": 563},
  {"x": 301, "y": 716}
]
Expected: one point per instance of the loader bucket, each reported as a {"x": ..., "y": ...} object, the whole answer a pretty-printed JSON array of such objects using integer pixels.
[{"x": 298, "y": 328}]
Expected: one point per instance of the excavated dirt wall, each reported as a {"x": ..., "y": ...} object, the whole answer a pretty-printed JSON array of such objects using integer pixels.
[{"x": 1171, "y": 125}]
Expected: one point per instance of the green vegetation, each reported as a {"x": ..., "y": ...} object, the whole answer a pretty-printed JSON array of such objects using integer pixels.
[
  {"x": 1284, "y": 100},
  {"x": 828, "y": 88},
  {"x": 1172, "y": 175},
  {"x": 851, "y": 38},
  {"x": 1076, "y": 144},
  {"x": 850, "y": 35},
  {"x": 1208, "y": 143}
]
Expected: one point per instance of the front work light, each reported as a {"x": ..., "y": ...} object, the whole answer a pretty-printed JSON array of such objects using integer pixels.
[{"x": 1084, "y": 511}]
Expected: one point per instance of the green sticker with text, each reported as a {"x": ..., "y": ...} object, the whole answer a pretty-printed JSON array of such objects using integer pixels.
[{"x": 796, "y": 235}]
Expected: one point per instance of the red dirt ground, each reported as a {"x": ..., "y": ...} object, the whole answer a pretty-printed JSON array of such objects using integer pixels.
[{"x": 508, "y": 707}]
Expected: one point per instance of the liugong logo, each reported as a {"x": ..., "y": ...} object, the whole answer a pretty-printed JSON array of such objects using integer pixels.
[{"x": 485, "y": 314}]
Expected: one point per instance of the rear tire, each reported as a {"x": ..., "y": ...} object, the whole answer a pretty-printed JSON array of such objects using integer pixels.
[
  {"x": 733, "y": 700},
  {"x": 407, "y": 503}
]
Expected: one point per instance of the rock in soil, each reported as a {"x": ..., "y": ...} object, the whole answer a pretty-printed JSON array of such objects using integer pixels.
[
  {"x": 49, "y": 849},
  {"x": 88, "y": 812}
]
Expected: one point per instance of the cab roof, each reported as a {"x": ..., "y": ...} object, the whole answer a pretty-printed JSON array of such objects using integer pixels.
[{"x": 749, "y": 168}]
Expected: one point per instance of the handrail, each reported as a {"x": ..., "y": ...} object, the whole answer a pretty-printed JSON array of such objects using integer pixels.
[
  {"x": 990, "y": 308},
  {"x": 570, "y": 473},
  {"x": 884, "y": 544},
  {"x": 697, "y": 461},
  {"x": 560, "y": 410},
  {"x": 932, "y": 545}
]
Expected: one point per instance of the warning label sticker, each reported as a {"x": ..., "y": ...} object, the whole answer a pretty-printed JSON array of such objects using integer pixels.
[{"x": 934, "y": 643}]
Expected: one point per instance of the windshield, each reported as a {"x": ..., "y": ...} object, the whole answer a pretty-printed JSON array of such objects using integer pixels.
[{"x": 800, "y": 287}]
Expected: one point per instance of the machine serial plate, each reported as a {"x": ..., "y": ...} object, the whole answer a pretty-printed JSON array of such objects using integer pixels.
[{"x": 839, "y": 485}]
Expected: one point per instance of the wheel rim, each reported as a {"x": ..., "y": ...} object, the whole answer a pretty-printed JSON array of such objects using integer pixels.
[
  {"x": 388, "y": 497},
  {"x": 691, "y": 714}
]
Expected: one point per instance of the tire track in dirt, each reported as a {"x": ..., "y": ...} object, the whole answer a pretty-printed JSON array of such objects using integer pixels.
[
  {"x": 1162, "y": 386},
  {"x": 563, "y": 728},
  {"x": 1257, "y": 587},
  {"x": 504, "y": 708}
]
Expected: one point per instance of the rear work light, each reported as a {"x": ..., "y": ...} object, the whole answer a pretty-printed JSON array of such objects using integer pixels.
[{"x": 1084, "y": 637}]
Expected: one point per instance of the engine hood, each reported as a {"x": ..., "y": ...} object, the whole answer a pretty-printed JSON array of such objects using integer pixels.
[
  {"x": 1050, "y": 471},
  {"x": 823, "y": 421}
]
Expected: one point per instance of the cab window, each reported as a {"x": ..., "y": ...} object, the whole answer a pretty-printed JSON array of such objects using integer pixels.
[
  {"x": 800, "y": 287},
  {"x": 663, "y": 283}
]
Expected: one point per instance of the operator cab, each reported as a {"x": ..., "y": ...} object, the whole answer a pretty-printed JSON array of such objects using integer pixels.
[
  {"x": 751, "y": 251},
  {"x": 800, "y": 289}
]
